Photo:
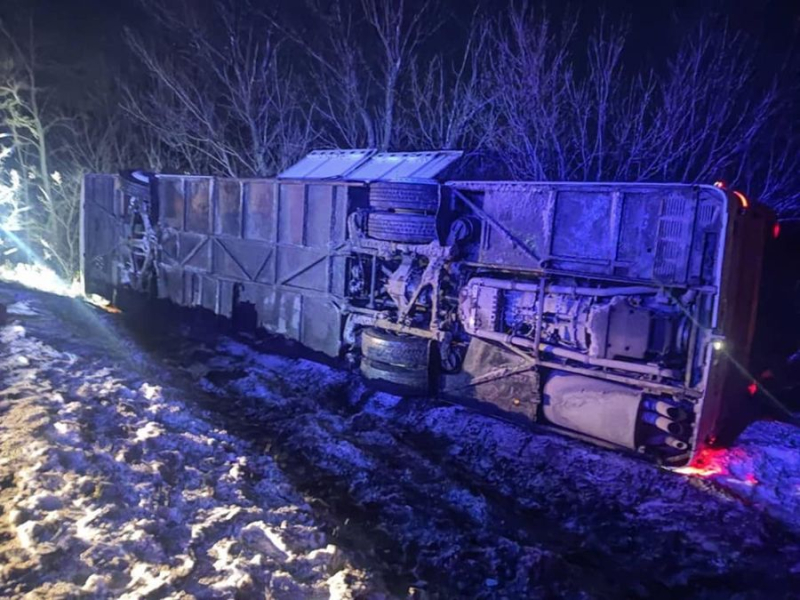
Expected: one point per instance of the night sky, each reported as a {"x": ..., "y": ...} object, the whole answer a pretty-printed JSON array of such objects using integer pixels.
[
  {"x": 84, "y": 56},
  {"x": 82, "y": 29}
]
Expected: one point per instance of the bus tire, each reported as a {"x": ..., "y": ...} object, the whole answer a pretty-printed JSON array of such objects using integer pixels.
[
  {"x": 385, "y": 195},
  {"x": 403, "y": 381},
  {"x": 393, "y": 349},
  {"x": 404, "y": 228}
]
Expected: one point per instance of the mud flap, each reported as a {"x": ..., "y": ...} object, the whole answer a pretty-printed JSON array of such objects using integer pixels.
[{"x": 494, "y": 379}]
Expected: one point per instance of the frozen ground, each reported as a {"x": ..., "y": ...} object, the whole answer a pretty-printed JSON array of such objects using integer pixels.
[
  {"x": 172, "y": 464},
  {"x": 112, "y": 485}
]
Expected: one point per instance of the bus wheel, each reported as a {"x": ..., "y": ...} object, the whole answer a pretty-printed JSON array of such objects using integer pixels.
[
  {"x": 403, "y": 228},
  {"x": 385, "y": 195},
  {"x": 395, "y": 363}
]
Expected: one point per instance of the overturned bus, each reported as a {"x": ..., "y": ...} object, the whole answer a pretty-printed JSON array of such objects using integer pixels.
[{"x": 622, "y": 314}]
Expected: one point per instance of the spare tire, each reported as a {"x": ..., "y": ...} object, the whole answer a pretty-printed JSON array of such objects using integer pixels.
[
  {"x": 404, "y": 196},
  {"x": 406, "y": 228}
]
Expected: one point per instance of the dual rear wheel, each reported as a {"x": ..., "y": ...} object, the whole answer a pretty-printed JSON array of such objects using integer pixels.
[
  {"x": 403, "y": 212},
  {"x": 400, "y": 212}
]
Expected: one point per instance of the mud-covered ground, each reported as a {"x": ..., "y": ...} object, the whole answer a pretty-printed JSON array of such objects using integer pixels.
[{"x": 338, "y": 490}]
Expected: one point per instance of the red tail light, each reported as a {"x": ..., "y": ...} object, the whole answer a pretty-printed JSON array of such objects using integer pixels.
[{"x": 776, "y": 230}]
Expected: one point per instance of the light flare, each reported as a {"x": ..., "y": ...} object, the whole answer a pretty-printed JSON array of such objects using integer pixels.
[
  {"x": 742, "y": 199},
  {"x": 750, "y": 479},
  {"x": 714, "y": 463},
  {"x": 40, "y": 277},
  {"x": 709, "y": 462}
]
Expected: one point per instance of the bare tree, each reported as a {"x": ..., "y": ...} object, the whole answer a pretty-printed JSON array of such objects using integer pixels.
[
  {"x": 449, "y": 103},
  {"x": 708, "y": 114},
  {"x": 221, "y": 102},
  {"x": 770, "y": 169},
  {"x": 21, "y": 104},
  {"x": 400, "y": 32},
  {"x": 721, "y": 118},
  {"x": 50, "y": 199},
  {"x": 12, "y": 208},
  {"x": 359, "y": 53},
  {"x": 530, "y": 69}
]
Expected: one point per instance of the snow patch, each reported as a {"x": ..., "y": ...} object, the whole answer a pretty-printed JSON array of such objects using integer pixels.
[
  {"x": 21, "y": 308},
  {"x": 141, "y": 495}
]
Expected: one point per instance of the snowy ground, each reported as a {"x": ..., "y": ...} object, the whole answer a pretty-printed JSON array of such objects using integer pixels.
[
  {"x": 113, "y": 486},
  {"x": 171, "y": 464}
]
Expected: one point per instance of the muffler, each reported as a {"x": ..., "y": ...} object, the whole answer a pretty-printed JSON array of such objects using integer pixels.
[
  {"x": 667, "y": 440},
  {"x": 601, "y": 409},
  {"x": 665, "y": 409},
  {"x": 663, "y": 423},
  {"x": 611, "y": 412}
]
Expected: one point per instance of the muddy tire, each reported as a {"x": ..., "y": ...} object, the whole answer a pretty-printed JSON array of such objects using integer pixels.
[
  {"x": 133, "y": 184},
  {"x": 395, "y": 363},
  {"x": 404, "y": 228},
  {"x": 404, "y": 196},
  {"x": 402, "y": 381},
  {"x": 390, "y": 348}
]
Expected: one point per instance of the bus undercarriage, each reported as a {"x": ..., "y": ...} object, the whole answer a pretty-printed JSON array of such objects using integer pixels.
[{"x": 619, "y": 313}]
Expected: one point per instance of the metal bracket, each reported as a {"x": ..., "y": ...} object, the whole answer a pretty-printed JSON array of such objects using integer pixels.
[{"x": 495, "y": 224}]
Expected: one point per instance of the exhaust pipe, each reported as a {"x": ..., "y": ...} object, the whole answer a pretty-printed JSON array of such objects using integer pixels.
[
  {"x": 663, "y": 423},
  {"x": 667, "y": 440},
  {"x": 665, "y": 409}
]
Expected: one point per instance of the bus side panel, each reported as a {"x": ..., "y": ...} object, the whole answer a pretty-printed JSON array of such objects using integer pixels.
[
  {"x": 101, "y": 231},
  {"x": 653, "y": 233},
  {"x": 274, "y": 247}
]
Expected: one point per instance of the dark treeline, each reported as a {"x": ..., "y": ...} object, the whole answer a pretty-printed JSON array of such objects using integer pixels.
[{"x": 246, "y": 87}]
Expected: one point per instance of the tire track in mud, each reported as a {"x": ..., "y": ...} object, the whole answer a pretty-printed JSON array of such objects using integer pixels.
[
  {"x": 399, "y": 509},
  {"x": 429, "y": 528},
  {"x": 465, "y": 506},
  {"x": 518, "y": 538}
]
